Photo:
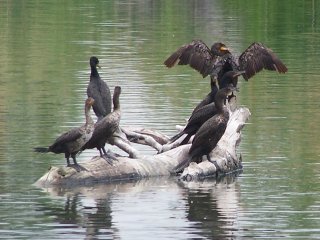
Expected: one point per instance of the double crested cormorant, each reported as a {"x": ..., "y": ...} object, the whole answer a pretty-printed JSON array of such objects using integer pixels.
[
  {"x": 209, "y": 134},
  {"x": 198, "y": 56},
  {"x": 99, "y": 91},
  {"x": 218, "y": 60},
  {"x": 71, "y": 142},
  {"x": 106, "y": 127},
  {"x": 202, "y": 114}
]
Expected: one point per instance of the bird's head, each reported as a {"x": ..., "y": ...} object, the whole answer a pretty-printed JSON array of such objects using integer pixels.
[
  {"x": 230, "y": 77},
  {"x": 89, "y": 101},
  {"x": 94, "y": 62},
  {"x": 219, "y": 49}
]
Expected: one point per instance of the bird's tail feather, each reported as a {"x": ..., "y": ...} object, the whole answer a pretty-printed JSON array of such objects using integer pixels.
[
  {"x": 41, "y": 149},
  {"x": 186, "y": 139},
  {"x": 179, "y": 168},
  {"x": 176, "y": 137}
]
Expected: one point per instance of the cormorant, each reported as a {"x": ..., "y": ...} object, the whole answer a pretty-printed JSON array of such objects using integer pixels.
[
  {"x": 209, "y": 134},
  {"x": 106, "y": 127},
  {"x": 197, "y": 55},
  {"x": 99, "y": 91},
  {"x": 202, "y": 114},
  {"x": 71, "y": 141},
  {"x": 216, "y": 61}
]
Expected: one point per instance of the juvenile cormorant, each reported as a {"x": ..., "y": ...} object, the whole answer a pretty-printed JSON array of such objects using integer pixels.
[
  {"x": 202, "y": 114},
  {"x": 216, "y": 61},
  {"x": 105, "y": 128},
  {"x": 99, "y": 91},
  {"x": 71, "y": 141},
  {"x": 209, "y": 134}
]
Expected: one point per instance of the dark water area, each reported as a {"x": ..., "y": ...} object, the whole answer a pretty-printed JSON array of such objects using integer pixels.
[{"x": 44, "y": 71}]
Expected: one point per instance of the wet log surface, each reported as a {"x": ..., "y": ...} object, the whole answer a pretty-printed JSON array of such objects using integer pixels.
[{"x": 124, "y": 168}]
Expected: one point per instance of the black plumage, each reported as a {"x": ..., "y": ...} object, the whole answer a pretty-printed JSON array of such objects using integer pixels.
[
  {"x": 106, "y": 127},
  {"x": 99, "y": 91},
  {"x": 71, "y": 141},
  {"x": 198, "y": 55},
  {"x": 218, "y": 60},
  {"x": 209, "y": 134},
  {"x": 202, "y": 114}
]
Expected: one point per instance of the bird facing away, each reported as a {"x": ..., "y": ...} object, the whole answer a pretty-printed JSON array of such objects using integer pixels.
[
  {"x": 71, "y": 141},
  {"x": 210, "y": 132},
  {"x": 106, "y": 127},
  {"x": 202, "y": 114},
  {"x": 99, "y": 91},
  {"x": 218, "y": 60}
]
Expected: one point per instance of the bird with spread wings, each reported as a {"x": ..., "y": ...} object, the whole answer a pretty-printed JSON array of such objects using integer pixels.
[{"x": 217, "y": 60}]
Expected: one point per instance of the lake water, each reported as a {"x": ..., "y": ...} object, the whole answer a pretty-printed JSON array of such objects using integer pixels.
[{"x": 44, "y": 71}]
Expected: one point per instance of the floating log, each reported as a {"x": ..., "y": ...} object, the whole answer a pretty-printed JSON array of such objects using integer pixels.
[{"x": 98, "y": 170}]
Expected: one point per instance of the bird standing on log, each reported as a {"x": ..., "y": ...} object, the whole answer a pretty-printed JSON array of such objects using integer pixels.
[
  {"x": 99, "y": 91},
  {"x": 202, "y": 114},
  {"x": 218, "y": 60},
  {"x": 106, "y": 127},
  {"x": 209, "y": 134},
  {"x": 71, "y": 141}
]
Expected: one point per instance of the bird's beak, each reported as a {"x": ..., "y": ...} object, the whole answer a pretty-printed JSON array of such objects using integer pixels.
[
  {"x": 238, "y": 73},
  {"x": 98, "y": 66},
  {"x": 224, "y": 49},
  {"x": 234, "y": 89}
]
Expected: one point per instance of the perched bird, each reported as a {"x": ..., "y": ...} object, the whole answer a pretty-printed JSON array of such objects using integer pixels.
[
  {"x": 209, "y": 134},
  {"x": 230, "y": 77},
  {"x": 71, "y": 141},
  {"x": 198, "y": 56},
  {"x": 218, "y": 60},
  {"x": 202, "y": 114},
  {"x": 106, "y": 127},
  {"x": 99, "y": 91}
]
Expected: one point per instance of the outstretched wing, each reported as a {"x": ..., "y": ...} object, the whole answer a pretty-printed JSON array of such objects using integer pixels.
[
  {"x": 59, "y": 144},
  {"x": 257, "y": 57},
  {"x": 196, "y": 54}
]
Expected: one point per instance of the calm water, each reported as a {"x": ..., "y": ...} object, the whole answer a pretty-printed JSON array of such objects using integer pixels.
[{"x": 44, "y": 52}]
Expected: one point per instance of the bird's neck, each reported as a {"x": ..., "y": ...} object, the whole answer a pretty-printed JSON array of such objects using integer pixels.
[
  {"x": 94, "y": 72},
  {"x": 116, "y": 102},
  {"x": 214, "y": 89},
  {"x": 220, "y": 104},
  {"x": 89, "y": 119}
]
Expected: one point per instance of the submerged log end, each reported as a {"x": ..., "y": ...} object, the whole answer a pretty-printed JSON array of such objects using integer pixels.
[
  {"x": 207, "y": 169},
  {"x": 224, "y": 155}
]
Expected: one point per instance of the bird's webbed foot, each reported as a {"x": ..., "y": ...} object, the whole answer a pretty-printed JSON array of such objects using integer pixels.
[
  {"x": 75, "y": 164},
  {"x": 214, "y": 163},
  {"x": 109, "y": 156}
]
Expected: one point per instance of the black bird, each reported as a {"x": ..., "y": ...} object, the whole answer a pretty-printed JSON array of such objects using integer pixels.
[
  {"x": 218, "y": 60},
  {"x": 198, "y": 56},
  {"x": 99, "y": 91},
  {"x": 106, "y": 127},
  {"x": 71, "y": 141},
  {"x": 209, "y": 134},
  {"x": 202, "y": 114}
]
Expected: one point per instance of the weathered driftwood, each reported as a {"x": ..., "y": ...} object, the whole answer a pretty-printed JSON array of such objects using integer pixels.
[{"x": 124, "y": 168}]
